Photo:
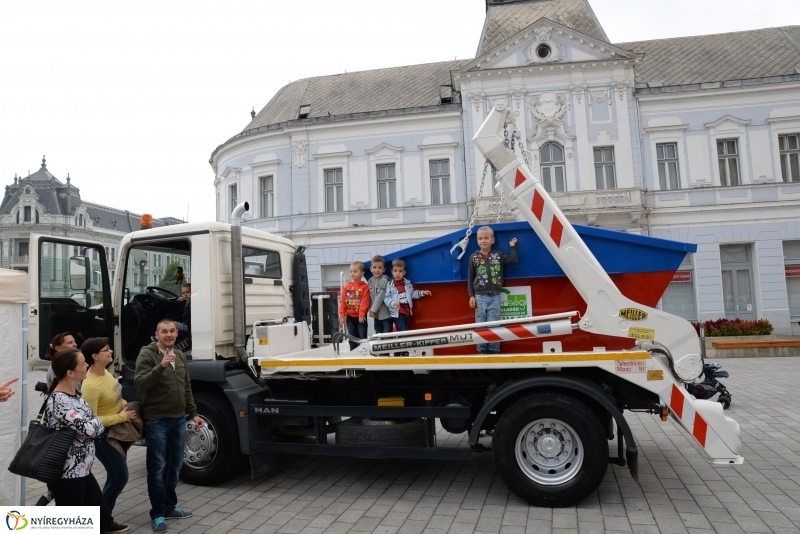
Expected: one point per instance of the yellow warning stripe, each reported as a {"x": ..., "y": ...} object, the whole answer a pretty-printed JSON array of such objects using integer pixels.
[{"x": 457, "y": 360}]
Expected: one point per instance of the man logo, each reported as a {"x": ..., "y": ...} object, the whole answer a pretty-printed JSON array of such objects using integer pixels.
[
  {"x": 633, "y": 314},
  {"x": 19, "y": 520}
]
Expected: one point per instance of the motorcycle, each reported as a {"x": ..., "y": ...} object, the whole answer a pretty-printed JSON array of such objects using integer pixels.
[{"x": 710, "y": 386}]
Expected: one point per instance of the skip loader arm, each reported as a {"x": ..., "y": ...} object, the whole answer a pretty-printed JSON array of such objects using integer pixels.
[{"x": 608, "y": 311}]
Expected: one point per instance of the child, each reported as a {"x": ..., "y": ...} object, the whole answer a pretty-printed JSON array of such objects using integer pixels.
[
  {"x": 400, "y": 295},
  {"x": 354, "y": 304},
  {"x": 486, "y": 281},
  {"x": 377, "y": 292}
]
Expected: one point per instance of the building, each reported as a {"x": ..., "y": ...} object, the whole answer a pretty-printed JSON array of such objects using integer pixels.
[
  {"x": 40, "y": 203},
  {"x": 692, "y": 138}
]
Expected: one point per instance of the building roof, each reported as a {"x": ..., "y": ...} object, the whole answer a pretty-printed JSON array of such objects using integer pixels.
[
  {"x": 504, "y": 19},
  {"x": 718, "y": 57},
  {"x": 358, "y": 92},
  {"x": 59, "y": 198}
]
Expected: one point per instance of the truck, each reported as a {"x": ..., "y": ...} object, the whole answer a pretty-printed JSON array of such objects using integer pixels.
[{"x": 272, "y": 375}]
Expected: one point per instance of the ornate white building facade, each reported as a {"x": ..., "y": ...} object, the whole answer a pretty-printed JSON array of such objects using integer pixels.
[
  {"x": 677, "y": 138},
  {"x": 42, "y": 204}
]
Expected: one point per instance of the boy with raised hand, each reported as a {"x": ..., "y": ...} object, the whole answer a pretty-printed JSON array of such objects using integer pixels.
[
  {"x": 485, "y": 281},
  {"x": 354, "y": 304}
]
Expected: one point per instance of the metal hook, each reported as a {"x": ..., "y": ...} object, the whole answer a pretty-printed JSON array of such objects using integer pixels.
[{"x": 462, "y": 245}]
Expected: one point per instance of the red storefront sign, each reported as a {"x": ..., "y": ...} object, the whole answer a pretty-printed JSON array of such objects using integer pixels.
[
  {"x": 683, "y": 276},
  {"x": 792, "y": 270}
]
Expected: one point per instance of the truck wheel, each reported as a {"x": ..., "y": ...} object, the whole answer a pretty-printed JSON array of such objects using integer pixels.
[
  {"x": 211, "y": 454},
  {"x": 550, "y": 449},
  {"x": 365, "y": 432}
]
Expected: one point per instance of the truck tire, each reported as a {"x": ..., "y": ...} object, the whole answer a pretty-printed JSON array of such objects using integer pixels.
[
  {"x": 211, "y": 454},
  {"x": 551, "y": 449},
  {"x": 401, "y": 434}
]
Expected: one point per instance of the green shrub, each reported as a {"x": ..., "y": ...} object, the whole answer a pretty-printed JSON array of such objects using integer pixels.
[{"x": 737, "y": 327}]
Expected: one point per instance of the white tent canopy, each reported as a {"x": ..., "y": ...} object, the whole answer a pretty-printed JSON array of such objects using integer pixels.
[{"x": 13, "y": 294}]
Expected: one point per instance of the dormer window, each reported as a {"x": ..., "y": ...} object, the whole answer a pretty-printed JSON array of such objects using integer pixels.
[
  {"x": 27, "y": 214},
  {"x": 305, "y": 110},
  {"x": 445, "y": 94}
]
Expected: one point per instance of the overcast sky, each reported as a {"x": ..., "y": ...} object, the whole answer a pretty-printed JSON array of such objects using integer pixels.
[{"x": 131, "y": 98}]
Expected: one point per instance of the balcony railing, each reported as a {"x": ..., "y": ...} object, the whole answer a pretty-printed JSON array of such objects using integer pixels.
[{"x": 19, "y": 259}]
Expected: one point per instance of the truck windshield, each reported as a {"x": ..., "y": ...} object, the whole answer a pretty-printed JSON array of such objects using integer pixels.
[
  {"x": 166, "y": 267},
  {"x": 155, "y": 273}
]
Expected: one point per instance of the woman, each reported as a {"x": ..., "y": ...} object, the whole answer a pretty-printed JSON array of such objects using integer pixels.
[
  {"x": 103, "y": 393},
  {"x": 61, "y": 341},
  {"x": 64, "y": 407}
]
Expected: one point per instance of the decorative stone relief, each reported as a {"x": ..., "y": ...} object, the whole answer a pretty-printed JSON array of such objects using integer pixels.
[
  {"x": 603, "y": 96},
  {"x": 549, "y": 110},
  {"x": 476, "y": 97},
  {"x": 550, "y": 107},
  {"x": 555, "y": 52},
  {"x": 621, "y": 86},
  {"x": 578, "y": 90},
  {"x": 299, "y": 152},
  {"x": 499, "y": 102},
  {"x": 517, "y": 95}
]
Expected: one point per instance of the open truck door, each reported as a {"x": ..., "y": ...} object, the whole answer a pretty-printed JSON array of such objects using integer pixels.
[{"x": 69, "y": 291}]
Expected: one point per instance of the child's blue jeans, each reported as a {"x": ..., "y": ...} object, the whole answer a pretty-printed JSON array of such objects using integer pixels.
[{"x": 487, "y": 309}]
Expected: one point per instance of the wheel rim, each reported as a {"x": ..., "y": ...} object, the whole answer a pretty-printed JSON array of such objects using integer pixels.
[
  {"x": 201, "y": 444},
  {"x": 549, "y": 452}
]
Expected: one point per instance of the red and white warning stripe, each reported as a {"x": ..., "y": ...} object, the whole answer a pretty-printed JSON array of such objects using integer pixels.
[
  {"x": 521, "y": 331},
  {"x": 540, "y": 206},
  {"x": 681, "y": 403}
]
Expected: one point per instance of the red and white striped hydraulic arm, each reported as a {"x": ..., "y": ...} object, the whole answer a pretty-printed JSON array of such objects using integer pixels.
[{"x": 608, "y": 311}]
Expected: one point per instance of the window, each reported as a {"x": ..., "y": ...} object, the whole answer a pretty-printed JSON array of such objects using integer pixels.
[
  {"x": 668, "y": 173},
  {"x": 334, "y": 194},
  {"x": 791, "y": 259},
  {"x": 440, "y": 181},
  {"x": 604, "y": 174},
  {"x": 261, "y": 263},
  {"x": 267, "y": 196},
  {"x": 95, "y": 255},
  {"x": 234, "y": 190},
  {"x": 387, "y": 186},
  {"x": 23, "y": 248},
  {"x": 305, "y": 110},
  {"x": 27, "y": 212},
  {"x": 679, "y": 298},
  {"x": 728, "y": 154},
  {"x": 553, "y": 175},
  {"x": 37, "y": 216},
  {"x": 17, "y": 216},
  {"x": 790, "y": 157}
]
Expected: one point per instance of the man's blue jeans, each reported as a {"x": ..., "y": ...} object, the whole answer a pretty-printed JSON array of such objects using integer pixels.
[
  {"x": 487, "y": 309},
  {"x": 116, "y": 470},
  {"x": 166, "y": 439}
]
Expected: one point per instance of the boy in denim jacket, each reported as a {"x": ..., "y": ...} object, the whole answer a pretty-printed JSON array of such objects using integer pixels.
[{"x": 400, "y": 295}]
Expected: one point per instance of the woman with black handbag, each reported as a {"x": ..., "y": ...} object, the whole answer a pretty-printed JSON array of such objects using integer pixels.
[{"x": 65, "y": 407}]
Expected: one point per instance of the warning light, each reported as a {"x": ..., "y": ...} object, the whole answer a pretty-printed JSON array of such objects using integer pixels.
[
  {"x": 664, "y": 413},
  {"x": 146, "y": 221},
  {"x": 242, "y": 414},
  {"x": 428, "y": 397}
]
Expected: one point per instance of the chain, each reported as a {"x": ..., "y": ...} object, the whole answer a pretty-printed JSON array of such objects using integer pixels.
[{"x": 477, "y": 199}]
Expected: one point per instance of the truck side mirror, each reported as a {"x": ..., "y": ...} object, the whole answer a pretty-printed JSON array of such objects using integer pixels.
[{"x": 79, "y": 273}]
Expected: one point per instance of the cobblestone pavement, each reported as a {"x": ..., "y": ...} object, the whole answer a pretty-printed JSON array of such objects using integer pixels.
[{"x": 678, "y": 491}]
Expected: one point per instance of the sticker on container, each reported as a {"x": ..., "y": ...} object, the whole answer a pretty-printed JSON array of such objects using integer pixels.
[
  {"x": 631, "y": 366},
  {"x": 648, "y": 334},
  {"x": 633, "y": 314}
]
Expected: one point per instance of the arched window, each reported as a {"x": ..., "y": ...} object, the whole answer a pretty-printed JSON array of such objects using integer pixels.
[{"x": 553, "y": 172}]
